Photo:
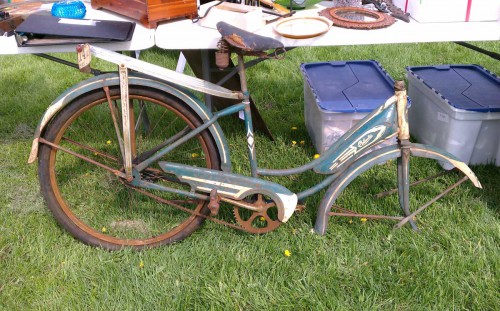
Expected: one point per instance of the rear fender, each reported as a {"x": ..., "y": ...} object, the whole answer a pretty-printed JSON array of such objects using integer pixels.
[{"x": 113, "y": 79}]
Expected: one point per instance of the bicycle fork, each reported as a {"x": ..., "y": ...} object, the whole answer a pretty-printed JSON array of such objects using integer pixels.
[{"x": 403, "y": 162}]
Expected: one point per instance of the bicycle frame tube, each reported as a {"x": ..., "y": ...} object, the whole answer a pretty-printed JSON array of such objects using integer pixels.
[
  {"x": 252, "y": 156},
  {"x": 163, "y": 151}
]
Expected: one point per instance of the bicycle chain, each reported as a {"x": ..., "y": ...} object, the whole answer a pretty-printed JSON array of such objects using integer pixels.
[{"x": 187, "y": 210}]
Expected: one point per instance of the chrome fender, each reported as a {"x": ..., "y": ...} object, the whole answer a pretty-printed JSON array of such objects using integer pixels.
[
  {"x": 377, "y": 157},
  {"x": 112, "y": 79}
]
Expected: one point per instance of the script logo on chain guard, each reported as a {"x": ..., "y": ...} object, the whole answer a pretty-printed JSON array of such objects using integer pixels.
[{"x": 366, "y": 140}]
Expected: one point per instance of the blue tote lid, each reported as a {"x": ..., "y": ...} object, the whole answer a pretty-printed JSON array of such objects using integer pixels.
[
  {"x": 351, "y": 86},
  {"x": 466, "y": 87}
]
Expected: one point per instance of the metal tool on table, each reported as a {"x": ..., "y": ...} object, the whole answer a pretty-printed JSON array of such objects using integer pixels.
[{"x": 387, "y": 6}]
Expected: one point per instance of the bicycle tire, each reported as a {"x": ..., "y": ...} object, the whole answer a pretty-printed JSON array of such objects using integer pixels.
[{"x": 99, "y": 208}]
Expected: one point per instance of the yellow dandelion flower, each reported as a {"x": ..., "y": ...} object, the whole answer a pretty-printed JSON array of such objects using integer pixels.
[
  {"x": 108, "y": 142},
  {"x": 287, "y": 253},
  {"x": 141, "y": 264},
  {"x": 95, "y": 153},
  {"x": 350, "y": 221},
  {"x": 363, "y": 219},
  {"x": 302, "y": 142},
  {"x": 316, "y": 156},
  {"x": 294, "y": 142},
  {"x": 194, "y": 155},
  {"x": 294, "y": 128},
  {"x": 262, "y": 218},
  {"x": 103, "y": 229}
]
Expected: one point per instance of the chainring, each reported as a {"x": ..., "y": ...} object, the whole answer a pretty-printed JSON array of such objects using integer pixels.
[{"x": 262, "y": 221}]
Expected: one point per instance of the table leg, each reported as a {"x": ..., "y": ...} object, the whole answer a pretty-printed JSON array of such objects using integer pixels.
[
  {"x": 206, "y": 74},
  {"x": 202, "y": 62}
]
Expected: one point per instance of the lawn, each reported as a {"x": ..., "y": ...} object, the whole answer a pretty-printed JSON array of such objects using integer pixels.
[{"x": 453, "y": 263}]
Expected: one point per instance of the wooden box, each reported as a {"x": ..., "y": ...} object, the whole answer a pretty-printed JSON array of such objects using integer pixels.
[{"x": 149, "y": 12}]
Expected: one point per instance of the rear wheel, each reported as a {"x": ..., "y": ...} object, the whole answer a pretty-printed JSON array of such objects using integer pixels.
[{"x": 95, "y": 205}]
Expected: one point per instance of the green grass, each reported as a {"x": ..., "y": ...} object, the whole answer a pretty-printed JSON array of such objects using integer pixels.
[{"x": 453, "y": 263}]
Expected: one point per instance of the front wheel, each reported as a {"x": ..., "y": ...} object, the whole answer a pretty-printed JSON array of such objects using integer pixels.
[{"x": 95, "y": 205}]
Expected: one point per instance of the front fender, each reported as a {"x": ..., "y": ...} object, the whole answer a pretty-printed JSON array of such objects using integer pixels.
[
  {"x": 113, "y": 79},
  {"x": 377, "y": 157},
  {"x": 426, "y": 151}
]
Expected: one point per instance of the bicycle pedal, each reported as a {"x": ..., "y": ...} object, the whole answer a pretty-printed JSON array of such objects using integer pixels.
[
  {"x": 214, "y": 205},
  {"x": 300, "y": 207}
]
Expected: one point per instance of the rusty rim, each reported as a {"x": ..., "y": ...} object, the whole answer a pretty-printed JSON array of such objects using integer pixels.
[
  {"x": 381, "y": 20},
  {"x": 96, "y": 232}
]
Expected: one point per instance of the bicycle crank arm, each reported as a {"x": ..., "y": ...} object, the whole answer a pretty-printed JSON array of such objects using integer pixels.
[
  {"x": 233, "y": 186},
  {"x": 240, "y": 203}
]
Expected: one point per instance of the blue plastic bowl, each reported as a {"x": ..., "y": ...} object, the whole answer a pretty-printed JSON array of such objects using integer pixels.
[{"x": 69, "y": 9}]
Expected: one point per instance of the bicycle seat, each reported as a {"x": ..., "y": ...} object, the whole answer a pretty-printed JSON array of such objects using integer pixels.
[{"x": 246, "y": 41}]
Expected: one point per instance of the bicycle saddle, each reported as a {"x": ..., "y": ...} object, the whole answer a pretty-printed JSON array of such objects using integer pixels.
[{"x": 246, "y": 41}]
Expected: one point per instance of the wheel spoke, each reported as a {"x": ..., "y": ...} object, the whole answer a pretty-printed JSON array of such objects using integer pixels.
[
  {"x": 167, "y": 142},
  {"x": 114, "y": 111},
  {"x": 93, "y": 150},
  {"x": 162, "y": 118}
]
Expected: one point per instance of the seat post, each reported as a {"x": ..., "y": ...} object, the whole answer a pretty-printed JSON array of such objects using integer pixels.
[{"x": 243, "y": 77}]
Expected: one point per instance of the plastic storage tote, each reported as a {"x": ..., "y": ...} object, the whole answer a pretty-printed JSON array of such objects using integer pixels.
[
  {"x": 339, "y": 94},
  {"x": 457, "y": 108}
]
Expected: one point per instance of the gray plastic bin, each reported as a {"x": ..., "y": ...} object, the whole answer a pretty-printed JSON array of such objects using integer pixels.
[
  {"x": 339, "y": 94},
  {"x": 457, "y": 108}
]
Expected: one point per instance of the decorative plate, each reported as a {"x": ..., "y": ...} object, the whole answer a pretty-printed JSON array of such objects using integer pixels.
[
  {"x": 302, "y": 27},
  {"x": 357, "y": 18}
]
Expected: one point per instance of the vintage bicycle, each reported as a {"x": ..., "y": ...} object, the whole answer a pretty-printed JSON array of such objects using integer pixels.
[{"x": 134, "y": 159}]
